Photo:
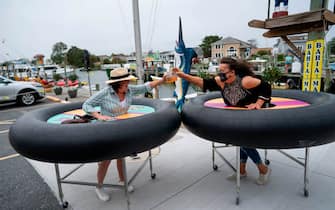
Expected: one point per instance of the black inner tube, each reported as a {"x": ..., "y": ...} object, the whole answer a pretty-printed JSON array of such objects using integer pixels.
[
  {"x": 267, "y": 128},
  {"x": 34, "y": 138}
]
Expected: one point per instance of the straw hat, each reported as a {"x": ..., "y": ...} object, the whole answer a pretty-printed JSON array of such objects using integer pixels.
[{"x": 119, "y": 74}]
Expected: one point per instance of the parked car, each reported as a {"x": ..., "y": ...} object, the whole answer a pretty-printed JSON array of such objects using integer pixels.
[{"x": 24, "y": 93}]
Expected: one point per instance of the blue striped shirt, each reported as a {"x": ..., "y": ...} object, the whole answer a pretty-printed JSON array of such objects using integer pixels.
[{"x": 109, "y": 101}]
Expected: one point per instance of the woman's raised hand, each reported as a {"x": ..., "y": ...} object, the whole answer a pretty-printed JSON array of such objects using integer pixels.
[{"x": 175, "y": 70}]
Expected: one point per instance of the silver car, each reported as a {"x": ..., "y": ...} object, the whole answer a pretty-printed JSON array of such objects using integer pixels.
[{"x": 25, "y": 93}]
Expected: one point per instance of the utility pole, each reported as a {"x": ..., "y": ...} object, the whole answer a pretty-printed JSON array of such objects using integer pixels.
[{"x": 138, "y": 44}]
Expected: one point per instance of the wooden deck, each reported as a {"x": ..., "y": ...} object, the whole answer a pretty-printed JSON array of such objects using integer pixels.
[{"x": 318, "y": 20}]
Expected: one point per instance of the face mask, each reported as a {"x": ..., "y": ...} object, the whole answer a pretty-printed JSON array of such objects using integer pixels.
[{"x": 223, "y": 76}]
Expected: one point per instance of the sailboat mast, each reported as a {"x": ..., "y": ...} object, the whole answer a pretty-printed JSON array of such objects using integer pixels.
[{"x": 138, "y": 43}]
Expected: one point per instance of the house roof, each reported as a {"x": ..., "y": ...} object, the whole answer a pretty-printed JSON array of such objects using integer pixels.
[{"x": 232, "y": 40}]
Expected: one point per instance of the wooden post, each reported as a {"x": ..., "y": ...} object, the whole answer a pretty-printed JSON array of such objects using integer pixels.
[{"x": 317, "y": 4}]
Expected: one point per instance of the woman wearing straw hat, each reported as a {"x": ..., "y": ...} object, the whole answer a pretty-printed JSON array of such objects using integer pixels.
[{"x": 114, "y": 100}]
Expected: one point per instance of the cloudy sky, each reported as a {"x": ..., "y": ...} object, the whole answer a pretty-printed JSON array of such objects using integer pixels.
[{"x": 106, "y": 26}]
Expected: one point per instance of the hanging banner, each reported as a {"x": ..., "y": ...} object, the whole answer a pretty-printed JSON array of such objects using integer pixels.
[
  {"x": 313, "y": 66},
  {"x": 317, "y": 65},
  {"x": 307, "y": 66}
]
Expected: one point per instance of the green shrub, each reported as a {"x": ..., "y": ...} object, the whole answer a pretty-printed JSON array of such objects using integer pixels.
[
  {"x": 203, "y": 74},
  {"x": 57, "y": 77},
  {"x": 271, "y": 75},
  {"x": 73, "y": 77}
]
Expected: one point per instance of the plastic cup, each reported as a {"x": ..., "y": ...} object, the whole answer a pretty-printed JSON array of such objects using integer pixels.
[{"x": 171, "y": 77}]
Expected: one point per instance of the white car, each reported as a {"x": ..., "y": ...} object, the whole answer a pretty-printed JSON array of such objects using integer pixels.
[{"x": 24, "y": 93}]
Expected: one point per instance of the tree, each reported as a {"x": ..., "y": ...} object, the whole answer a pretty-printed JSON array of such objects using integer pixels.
[
  {"x": 75, "y": 57},
  {"x": 263, "y": 52},
  {"x": 106, "y": 61},
  {"x": 206, "y": 44},
  {"x": 280, "y": 57},
  {"x": 93, "y": 59},
  {"x": 58, "y": 52}
]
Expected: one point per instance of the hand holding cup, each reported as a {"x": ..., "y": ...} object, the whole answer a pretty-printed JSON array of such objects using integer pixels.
[{"x": 170, "y": 76}]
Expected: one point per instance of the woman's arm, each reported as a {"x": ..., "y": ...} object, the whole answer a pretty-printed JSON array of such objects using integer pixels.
[
  {"x": 198, "y": 81},
  {"x": 99, "y": 116},
  {"x": 148, "y": 86},
  {"x": 264, "y": 91},
  {"x": 249, "y": 82},
  {"x": 95, "y": 100},
  {"x": 155, "y": 83}
]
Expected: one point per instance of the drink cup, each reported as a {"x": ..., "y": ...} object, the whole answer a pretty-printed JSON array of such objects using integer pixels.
[{"x": 170, "y": 77}]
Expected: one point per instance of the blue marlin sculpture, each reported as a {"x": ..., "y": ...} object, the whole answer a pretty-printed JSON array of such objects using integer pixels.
[{"x": 183, "y": 60}]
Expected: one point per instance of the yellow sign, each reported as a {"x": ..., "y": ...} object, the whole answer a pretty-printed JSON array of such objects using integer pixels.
[
  {"x": 307, "y": 66},
  {"x": 313, "y": 65},
  {"x": 305, "y": 84}
]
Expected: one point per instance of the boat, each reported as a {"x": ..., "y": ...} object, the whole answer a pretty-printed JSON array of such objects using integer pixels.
[{"x": 48, "y": 71}]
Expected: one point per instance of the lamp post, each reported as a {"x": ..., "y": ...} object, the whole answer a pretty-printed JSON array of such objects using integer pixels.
[
  {"x": 65, "y": 63},
  {"x": 87, "y": 67}
]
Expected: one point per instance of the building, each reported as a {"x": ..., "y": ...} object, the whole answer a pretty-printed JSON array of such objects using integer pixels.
[
  {"x": 281, "y": 47},
  {"x": 199, "y": 52},
  {"x": 103, "y": 57},
  {"x": 230, "y": 47},
  {"x": 121, "y": 57},
  {"x": 39, "y": 58},
  {"x": 168, "y": 56}
]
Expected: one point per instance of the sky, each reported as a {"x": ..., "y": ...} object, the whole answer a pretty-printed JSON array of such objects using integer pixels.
[{"x": 104, "y": 27}]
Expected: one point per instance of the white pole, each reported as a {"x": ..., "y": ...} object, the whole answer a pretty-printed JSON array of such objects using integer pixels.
[{"x": 138, "y": 43}]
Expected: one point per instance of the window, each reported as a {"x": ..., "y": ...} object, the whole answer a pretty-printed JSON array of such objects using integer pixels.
[{"x": 231, "y": 52}]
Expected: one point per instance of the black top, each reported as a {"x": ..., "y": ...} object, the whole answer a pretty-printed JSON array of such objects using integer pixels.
[{"x": 234, "y": 94}]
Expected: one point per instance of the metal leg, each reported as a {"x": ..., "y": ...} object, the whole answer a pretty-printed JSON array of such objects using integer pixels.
[
  {"x": 305, "y": 165},
  {"x": 139, "y": 170},
  {"x": 306, "y": 172},
  {"x": 266, "y": 160},
  {"x": 215, "y": 167},
  {"x": 153, "y": 175},
  {"x": 60, "y": 191},
  {"x": 237, "y": 169},
  {"x": 124, "y": 169},
  {"x": 127, "y": 182},
  {"x": 238, "y": 175}
]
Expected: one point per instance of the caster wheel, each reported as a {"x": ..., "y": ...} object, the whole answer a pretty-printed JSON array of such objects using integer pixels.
[
  {"x": 306, "y": 193},
  {"x": 153, "y": 176},
  {"x": 237, "y": 201},
  {"x": 215, "y": 167},
  {"x": 65, "y": 204},
  {"x": 267, "y": 162}
]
